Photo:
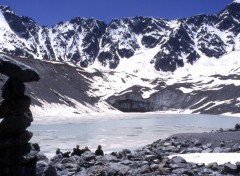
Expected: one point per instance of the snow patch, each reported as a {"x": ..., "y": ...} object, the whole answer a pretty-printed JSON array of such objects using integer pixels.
[
  {"x": 236, "y": 1},
  {"x": 3, "y": 23},
  {"x": 207, "y": 158}
]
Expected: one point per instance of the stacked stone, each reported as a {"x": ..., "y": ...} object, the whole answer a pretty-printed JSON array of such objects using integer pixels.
[{"x": 17, "y": 155}]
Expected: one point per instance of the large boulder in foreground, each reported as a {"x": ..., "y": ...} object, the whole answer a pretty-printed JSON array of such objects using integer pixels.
[{"x": 17, "y": 70}]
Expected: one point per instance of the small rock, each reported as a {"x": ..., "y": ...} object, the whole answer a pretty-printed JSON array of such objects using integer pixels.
[
  {"x": 230, "y": 168},
  {"x": 95, "y": 170},
  {"x": 126, "y": 162},
  {"x": 235, "y": 148},
  {"x": 163, "y": 163},
  {"x": 238, "y": 165},
  {"x": 185, "y": 144},
  {"x": 188, "y": 173},
  {"x": 217, "y": 150},
  {"x": 209, "y": 145},
  {"x": 170, "y": 148},
  {"x": 197, "y": 143},
  {"x": 209, "y": 150},
  {"x": 137, "y": 159},
  {"x": 194, "y": 150},
  {"x": 164, "y": 171},
  {"x": 144, "y": 163},
  {"x": 183, "y": 151},
  {"x": 227, "y": 150},
  {"x": 57, "y": 158},
  {"x": 175, "y": 150},
  {"x": 154, "y": 166},
  {"x": 111, "y": 158},
  {"x": 88, "y": 156},
  {"x": 222, "y": 144},
  {"x": 213, "y": 166},
  {"x": 50, "y": 171},
  {"x": 156, "y": 161},
  {"x": 41, "y": 167},
  {"x": 178, "y": 159},
  {"x": 151, "y": 157},
  {"x": 173, "y": 166},
  {"x": 167, "y": 144},
  {"x": 111, "y": 171}
]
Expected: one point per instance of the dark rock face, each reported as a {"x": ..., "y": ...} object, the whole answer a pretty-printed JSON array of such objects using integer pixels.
[
  {"x": 169, "y": 58},
  {"x": 228, "y": 18},
  {"x": 57, "y": 80},
  {"x": 84, "y": 41},
  {"x": 130, "y": 105},
  {"x": 18, "y": 157},
  {"x": 171, "y": 98}
]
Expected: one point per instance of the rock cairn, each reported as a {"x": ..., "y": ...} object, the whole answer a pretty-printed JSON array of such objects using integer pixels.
[{"x": 18, "y": 157}]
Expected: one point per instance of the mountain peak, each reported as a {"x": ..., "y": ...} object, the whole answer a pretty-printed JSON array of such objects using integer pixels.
[{"x": 236, "y": 1}]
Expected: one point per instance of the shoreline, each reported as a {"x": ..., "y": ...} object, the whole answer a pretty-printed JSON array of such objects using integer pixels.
[
  {"x": 121, "y": 132},
  {"x": 55, "y": 119},
  {"x": 175, "y": 155}
]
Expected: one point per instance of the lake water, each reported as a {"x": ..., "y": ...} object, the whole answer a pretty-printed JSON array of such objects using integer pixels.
[{"x": 122, "y": 131}]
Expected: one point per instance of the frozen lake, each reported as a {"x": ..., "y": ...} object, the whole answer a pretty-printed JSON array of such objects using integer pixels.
[{"x": 121, "y": 131}]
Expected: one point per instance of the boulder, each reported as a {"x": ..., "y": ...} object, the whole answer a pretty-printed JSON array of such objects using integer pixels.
[
  {"x": 178, "y": 159},
  {"x": 111, "y": 158},
  {"x": 50, "y": 171},
  {"x": 88, "y": 156},
  {"x": 213, "y": 166},
  {"x": 230, "y": 168},
  {"x": 17, "y": 70}
]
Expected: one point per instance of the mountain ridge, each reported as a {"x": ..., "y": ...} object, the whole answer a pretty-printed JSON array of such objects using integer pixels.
[
  {"x": 138, "y": 64},
  {"x": 85, "y": 41}
]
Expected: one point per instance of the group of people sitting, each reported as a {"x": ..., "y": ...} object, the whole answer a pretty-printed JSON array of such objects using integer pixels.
[{"x": 77, "y": 151}]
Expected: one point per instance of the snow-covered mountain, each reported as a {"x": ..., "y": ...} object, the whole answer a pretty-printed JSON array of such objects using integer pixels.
[
  {"x": 86, "y": 41},
  {"x": 137, "y": 64}
]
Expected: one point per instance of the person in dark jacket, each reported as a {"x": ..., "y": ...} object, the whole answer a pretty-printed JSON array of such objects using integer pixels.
[
  {"x": 58, "y": 151},
  {"x": 99, "y": 151},
  {"x": 86, "y": 149},
  {"x": 76, "y": 151}
]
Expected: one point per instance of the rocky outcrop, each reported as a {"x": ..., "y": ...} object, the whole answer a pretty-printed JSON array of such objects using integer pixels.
[
  {"x": 18, "y": 156},
  {"x": 171, "y": 97}
]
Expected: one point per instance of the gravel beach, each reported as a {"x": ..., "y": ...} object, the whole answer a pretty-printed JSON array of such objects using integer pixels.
[{"x": 229, "y": 138}]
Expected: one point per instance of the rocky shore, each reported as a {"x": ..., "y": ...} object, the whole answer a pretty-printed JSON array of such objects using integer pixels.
[{"x": 152, "y": 159}]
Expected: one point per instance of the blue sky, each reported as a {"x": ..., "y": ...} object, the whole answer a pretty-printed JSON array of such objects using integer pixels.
[{"x": 50, "y": 12}]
